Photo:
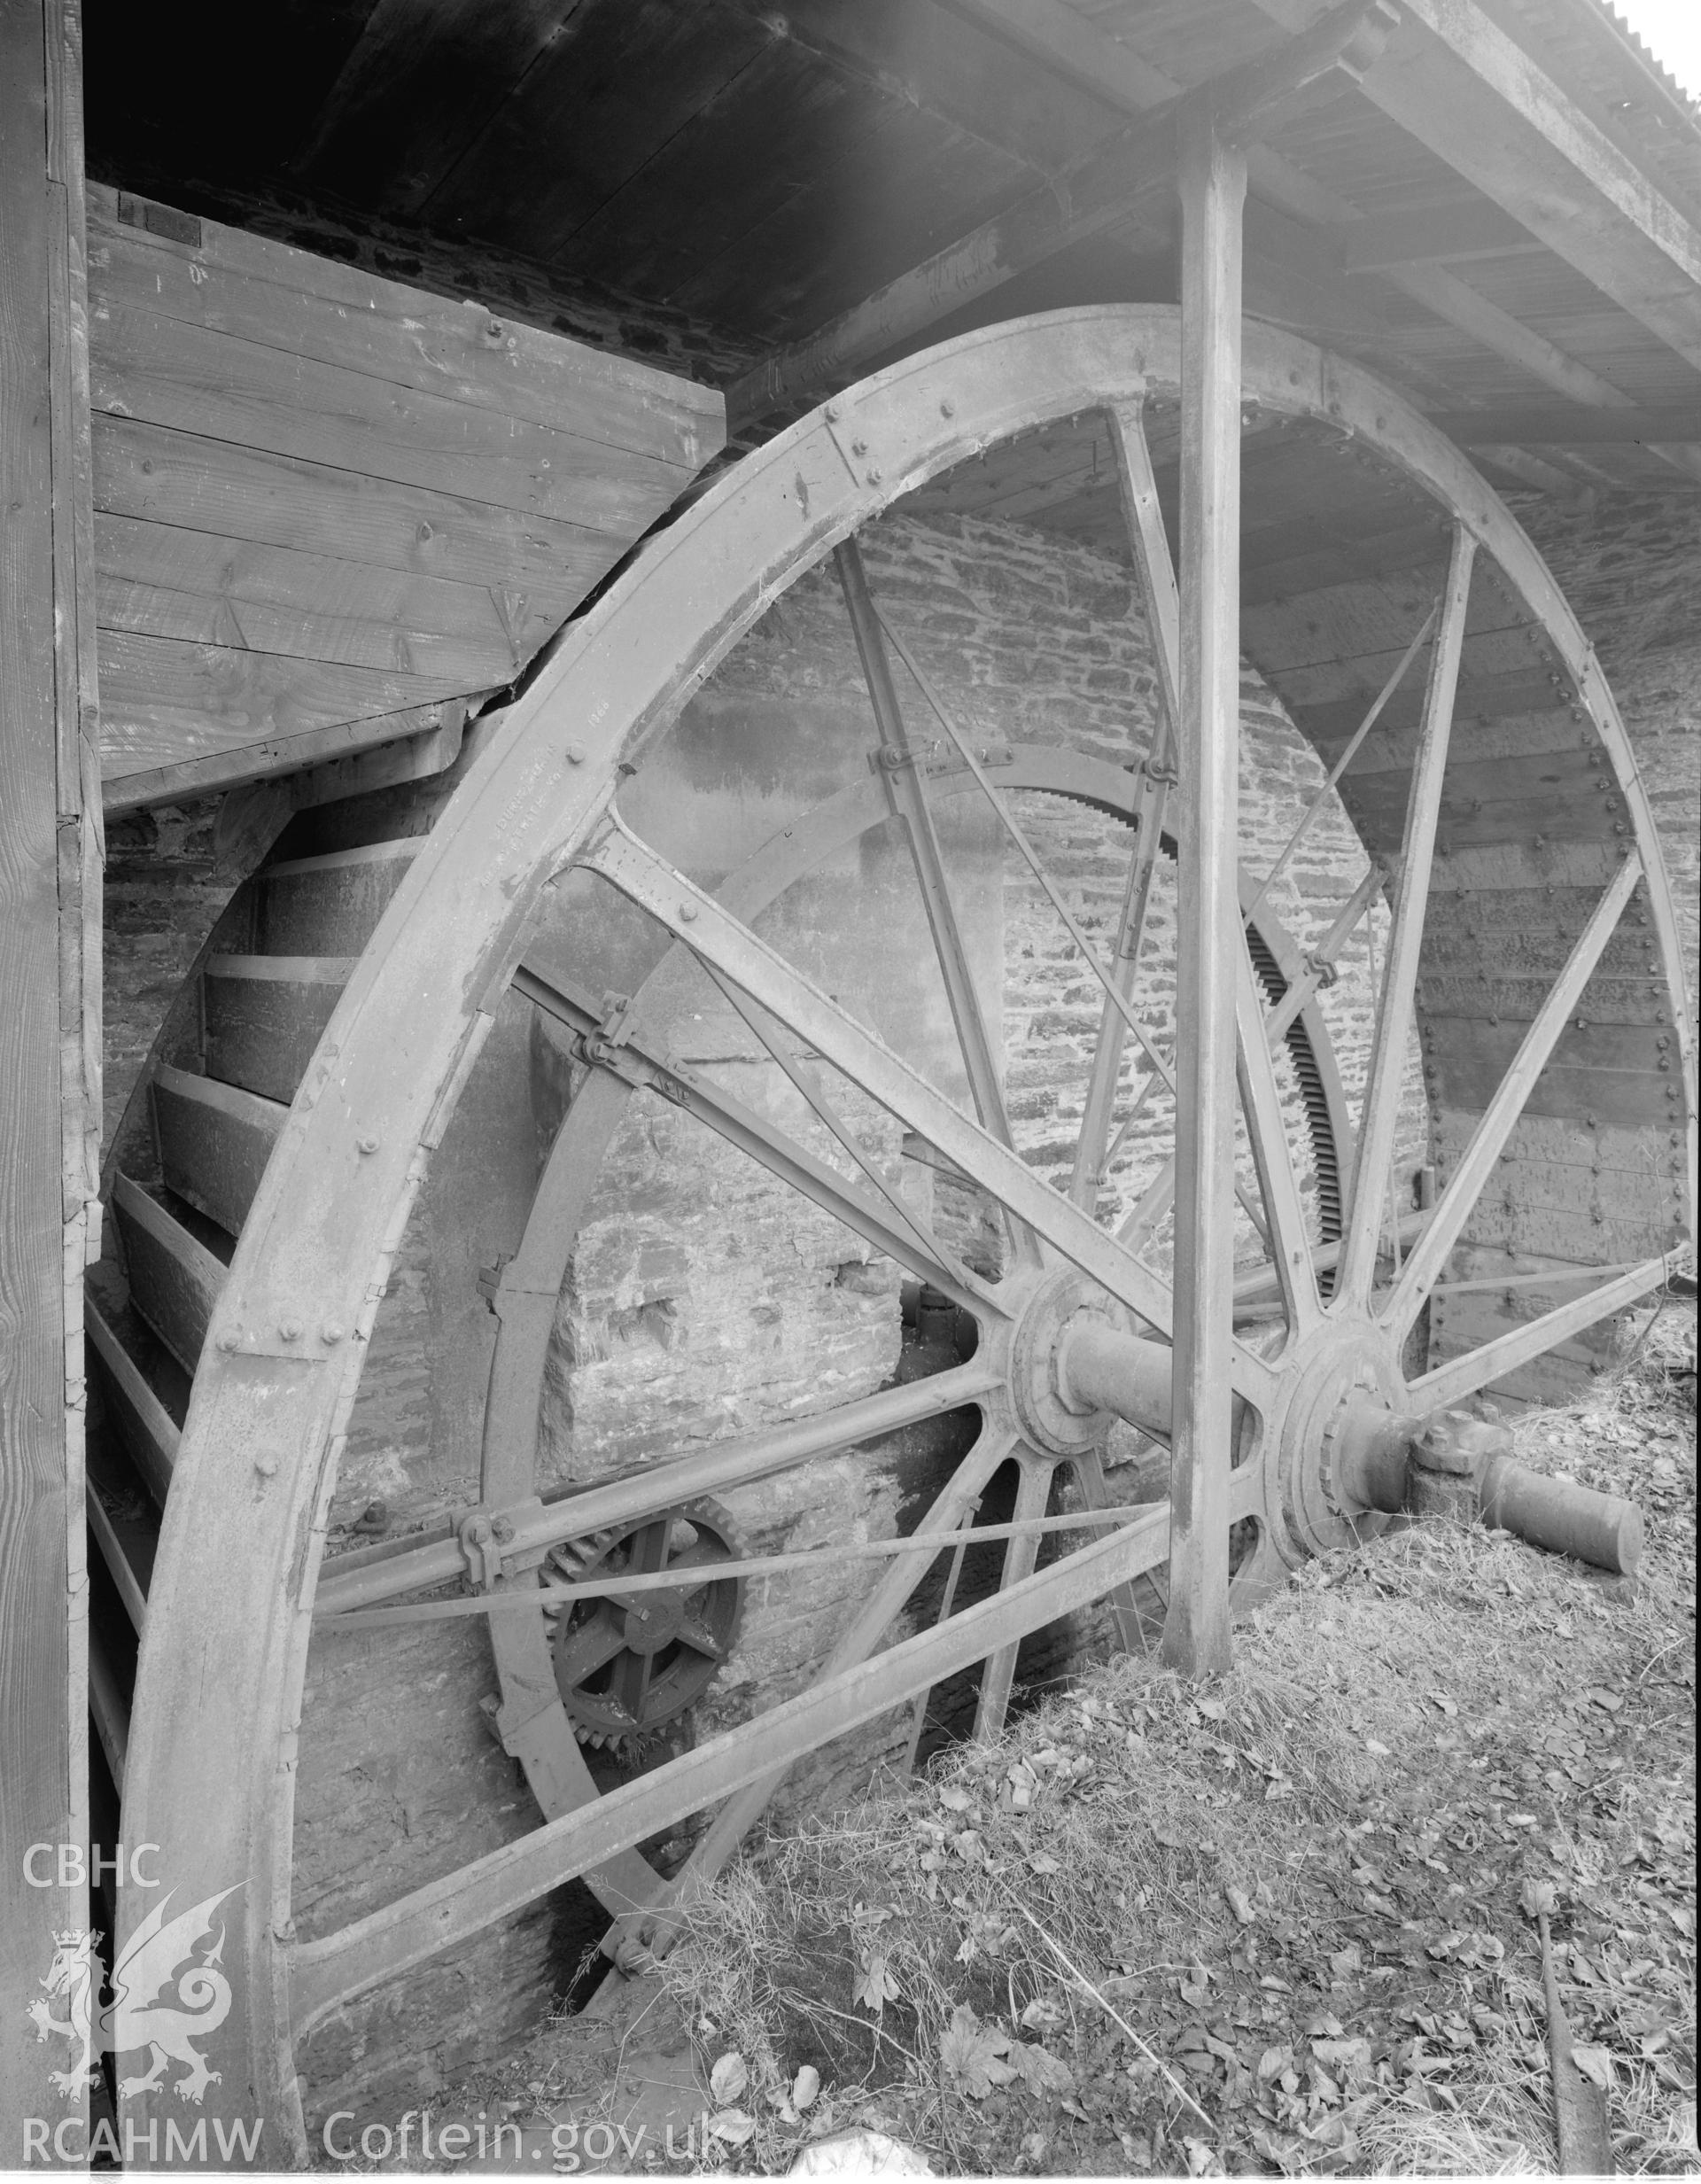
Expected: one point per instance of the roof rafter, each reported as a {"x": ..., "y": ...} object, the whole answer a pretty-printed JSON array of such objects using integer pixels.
[
  {"x": 1054, "y": 33},
  {"x": 1464, "y": 90},
  {"x": 1105, "y": 187}
]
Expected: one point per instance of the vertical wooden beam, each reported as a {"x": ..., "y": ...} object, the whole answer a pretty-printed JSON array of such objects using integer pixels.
[
  {"x": 1213, "y": 182},
  {"x": 49, "y": 1041}
]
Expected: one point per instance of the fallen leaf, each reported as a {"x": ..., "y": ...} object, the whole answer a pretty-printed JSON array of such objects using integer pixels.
[
  {"x": 1240, "y": 1904},
  {"x": 733, "y": 2125},
  {"x": 1380, "y": 1750},
  {"x": 1039, "y": 2070},
  {"x": 970, "y": 2053},
  {"x": 728, "y": 2080},
  {"x": 1349, "y": 2059},
  {"x": 875, "y": 1984},
  {"x": 1040, "y": 1863},
  {"x": 953, "y": 1799},
  {"x": 1595, "y": 2064},
  {"x": 804, "y": 2086}
]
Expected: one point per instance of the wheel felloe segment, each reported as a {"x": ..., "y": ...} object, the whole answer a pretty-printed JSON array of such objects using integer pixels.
[{"x": 213, "y": 1758}]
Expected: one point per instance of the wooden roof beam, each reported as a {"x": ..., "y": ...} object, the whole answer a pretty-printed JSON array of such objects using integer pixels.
[
  {"x": 1473, "y": 227},
  {"x": 1103, "y": 188},
  {"x": 1556, "y": 426},
  {"x": 1466, "y": 307},
  {"x": 1462, "y": 87},
  {"x": 1053, "y": 32}
]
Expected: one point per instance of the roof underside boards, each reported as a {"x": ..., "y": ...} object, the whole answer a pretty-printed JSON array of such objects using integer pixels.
[
  {"x": 765, "y": 172},
  {"x": 728, "y": 181},
  {"x": 327, "y": 507}
]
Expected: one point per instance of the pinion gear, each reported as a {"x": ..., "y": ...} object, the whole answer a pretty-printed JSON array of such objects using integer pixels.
[{"x": 626, "y": 1663}]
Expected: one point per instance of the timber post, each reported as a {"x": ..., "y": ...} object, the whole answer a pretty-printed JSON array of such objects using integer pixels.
[
  {"x": 50, "y": 1047},
  {"x": 1212, "y": 184}
]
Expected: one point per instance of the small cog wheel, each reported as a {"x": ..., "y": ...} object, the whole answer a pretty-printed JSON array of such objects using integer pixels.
[{"x": 627, "y": 1662}]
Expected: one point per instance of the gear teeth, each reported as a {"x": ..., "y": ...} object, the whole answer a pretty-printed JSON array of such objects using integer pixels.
[
  {"x": 577, "y": 1556},
  {"x": 605, "y": 1554}
]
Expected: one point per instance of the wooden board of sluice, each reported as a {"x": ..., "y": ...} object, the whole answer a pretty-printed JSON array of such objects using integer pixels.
[{"x": 325, "y": 499}]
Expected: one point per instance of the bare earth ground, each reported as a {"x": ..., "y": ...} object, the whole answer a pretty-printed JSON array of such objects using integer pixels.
[{"x": 1271, "y": 1926}]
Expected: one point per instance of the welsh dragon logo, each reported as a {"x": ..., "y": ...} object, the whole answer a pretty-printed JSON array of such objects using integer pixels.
[{"x": 145, "y": 2012}]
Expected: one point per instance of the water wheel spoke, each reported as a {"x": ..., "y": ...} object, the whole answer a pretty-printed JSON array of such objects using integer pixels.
[
  {"x": 1149, "y": 1083},
  {"x": 884, "y": 1223},
  {"x": 1150, "y": 1207},
  {"x": 657, "y": 887},
  {"x": 1087, "y": 1173},
  {"x": 808, "y": 1089},
  {"x": 1499, "y": 1118},
  {"x": 1143, "y": 517},
  {"x": 903, "y": 781},
  {"x": 1131, "y": 1632},
  {"x": 1450, "y": 1383},
  {"x": 1145, "y": 523},
  {"x": 387, "y": 1943},
  {"x": 736, "y": 1461},
  {"x": 1320, "y": 961},
  {"x": 1033, "y": 1491},
  {"x": 944, "y": 1517},
  {"x": 1114, "y": 996},
  {"x": 1377, "y": 706},
  {"x": 1380, "y": 1125}
]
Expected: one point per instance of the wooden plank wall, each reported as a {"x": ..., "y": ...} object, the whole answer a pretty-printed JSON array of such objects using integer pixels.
[
  {"x": 49, "y": 1026},
  {"x": 325, "y": 499}
]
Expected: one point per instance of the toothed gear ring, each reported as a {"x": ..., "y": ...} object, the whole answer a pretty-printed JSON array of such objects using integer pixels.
[{"x": 627, "y": 1662}]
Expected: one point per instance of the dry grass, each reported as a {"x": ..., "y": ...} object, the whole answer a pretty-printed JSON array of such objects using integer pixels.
[{"x": 1292, "y": 1901}]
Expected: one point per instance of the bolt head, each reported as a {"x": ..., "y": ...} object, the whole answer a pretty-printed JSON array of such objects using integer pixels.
[
  {"x": 367, "y": 1144},
  {"x": 573, "y": 755},
  {"x": 331, "y": 1332},
  {"x": 687, "y": 911},
  {"x": 289, "y": 1330},
  {"x": 228, "y": 1340},
  {"x": 266, "y": 1465}
]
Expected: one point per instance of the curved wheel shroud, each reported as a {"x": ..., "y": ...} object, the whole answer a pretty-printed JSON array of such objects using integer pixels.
[{"x": 1540, "y": 803}]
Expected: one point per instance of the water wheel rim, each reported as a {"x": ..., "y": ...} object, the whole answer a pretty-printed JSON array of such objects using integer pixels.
[{"x": 376, "y": 1099}]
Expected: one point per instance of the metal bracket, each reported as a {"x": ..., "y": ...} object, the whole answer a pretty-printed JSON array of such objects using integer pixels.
[
  {"x": 933, "y": 757},
  {"x": 861, "y": 461},
  {"x": 1323, "y": 968},
  {"x": 483, "y": 1535},
  {"x": 613, "y": 1030}
]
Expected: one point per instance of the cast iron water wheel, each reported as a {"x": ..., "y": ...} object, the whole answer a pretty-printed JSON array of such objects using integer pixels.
[{"x": 1524, "y": 933}]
